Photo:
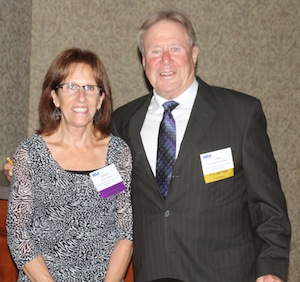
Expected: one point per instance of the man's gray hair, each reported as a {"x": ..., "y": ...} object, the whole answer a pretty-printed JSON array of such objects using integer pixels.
[{"x": 172, "y": 16}]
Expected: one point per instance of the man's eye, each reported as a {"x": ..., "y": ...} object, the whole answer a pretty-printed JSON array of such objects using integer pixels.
[
  {"x": 156, "y": 51},
  {"x": 175, "y": 49}
]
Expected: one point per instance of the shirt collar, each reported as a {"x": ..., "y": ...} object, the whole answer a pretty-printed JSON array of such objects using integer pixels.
[{"x": 186, "y": 99}]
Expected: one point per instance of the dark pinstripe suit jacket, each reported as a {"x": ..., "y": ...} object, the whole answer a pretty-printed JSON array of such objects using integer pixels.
[{"x": 232, "y": 230}]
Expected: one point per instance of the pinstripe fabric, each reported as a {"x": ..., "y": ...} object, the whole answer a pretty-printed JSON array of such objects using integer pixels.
[{"x": 221, "y": 231}]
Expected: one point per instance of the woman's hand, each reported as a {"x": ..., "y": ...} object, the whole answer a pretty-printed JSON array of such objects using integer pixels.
[
  {"x": 37, "y": 270},
  {"x": 8, "y": 171}
]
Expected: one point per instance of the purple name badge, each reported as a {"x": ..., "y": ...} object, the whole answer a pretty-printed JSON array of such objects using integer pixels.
[
  {"x": 107, "y": 181},
  {"x": 113, "y": 190}
]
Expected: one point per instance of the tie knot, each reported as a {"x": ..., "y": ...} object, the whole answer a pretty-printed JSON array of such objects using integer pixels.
[{"x": 170, "y": 106}]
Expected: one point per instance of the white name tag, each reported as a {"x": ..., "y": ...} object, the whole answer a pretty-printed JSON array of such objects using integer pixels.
[
  {"x": 217, "y": 165},
  {"x": 107, "y": 181}
]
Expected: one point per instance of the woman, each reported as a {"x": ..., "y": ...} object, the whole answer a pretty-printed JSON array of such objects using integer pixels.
[{"x": 59, "y": 227}]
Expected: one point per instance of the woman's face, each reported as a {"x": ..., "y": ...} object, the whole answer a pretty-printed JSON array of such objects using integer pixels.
[{"x": 78, "y": 107}]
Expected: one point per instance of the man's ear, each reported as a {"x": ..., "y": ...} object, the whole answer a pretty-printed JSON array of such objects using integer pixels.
[
  {"x": 143, "y": 62},
  {"x": 195, "y": 52}
]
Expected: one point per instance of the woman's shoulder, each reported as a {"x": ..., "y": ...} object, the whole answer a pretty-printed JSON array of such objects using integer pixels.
[
  {"x": 31, "y": 143},
  {"x": 31, "y": 140},
  {"x": 117, "y": 140},
  {"x": 118, "y": 143},
  {"x": 119, "y": 151}
]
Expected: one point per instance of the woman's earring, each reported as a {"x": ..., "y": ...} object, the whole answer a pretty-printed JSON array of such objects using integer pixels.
[{"x": 56, "y": 114}]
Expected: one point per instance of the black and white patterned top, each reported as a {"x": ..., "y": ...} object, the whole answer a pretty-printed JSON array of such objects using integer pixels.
[{"x": 60, "y": 215}]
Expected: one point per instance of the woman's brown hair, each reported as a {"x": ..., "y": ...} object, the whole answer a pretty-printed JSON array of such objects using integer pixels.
[{"x": 57, "y": 72}]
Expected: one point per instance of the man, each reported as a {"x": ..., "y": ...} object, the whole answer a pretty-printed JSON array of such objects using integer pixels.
[{"x": 223, "y": 216}]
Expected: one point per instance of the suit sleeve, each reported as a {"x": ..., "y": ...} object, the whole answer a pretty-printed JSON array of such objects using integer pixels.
[{"x": 266, "y": 200}]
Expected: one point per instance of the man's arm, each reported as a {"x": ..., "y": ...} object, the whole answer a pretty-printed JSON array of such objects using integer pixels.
[
  {"x": 267, "y": 204},
  {"x": 269, "y": 278}
]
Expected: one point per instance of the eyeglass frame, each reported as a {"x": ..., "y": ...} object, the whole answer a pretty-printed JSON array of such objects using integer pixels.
[{"x": 60, "y": 86}]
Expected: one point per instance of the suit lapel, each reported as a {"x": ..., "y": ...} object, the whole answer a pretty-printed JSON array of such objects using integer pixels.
[
  {"x": 135, "y": 125},
  {"x": 201, "y": 116}
]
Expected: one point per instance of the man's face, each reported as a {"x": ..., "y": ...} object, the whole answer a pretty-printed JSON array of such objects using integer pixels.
[{"x": 168, "y": 59}]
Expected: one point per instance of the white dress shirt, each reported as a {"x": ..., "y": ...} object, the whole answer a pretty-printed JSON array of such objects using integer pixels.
[{"x": 181, "y": 114}]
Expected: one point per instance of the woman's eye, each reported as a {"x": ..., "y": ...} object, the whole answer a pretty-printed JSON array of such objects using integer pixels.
[
  {"x": 71, "y": 86},
  {"x": 89, "y": 87}
]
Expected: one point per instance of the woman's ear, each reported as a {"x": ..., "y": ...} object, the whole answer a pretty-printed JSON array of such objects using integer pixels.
[
  {"x": 101, "y": 98},
  {"x": 55, "y": 98}
]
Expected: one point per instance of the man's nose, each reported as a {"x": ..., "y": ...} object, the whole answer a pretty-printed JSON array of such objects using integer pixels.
[{"x": 166, "y": 58}]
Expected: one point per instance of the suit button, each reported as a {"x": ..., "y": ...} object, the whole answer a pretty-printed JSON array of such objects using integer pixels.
[{"x": 167, "y": 213}]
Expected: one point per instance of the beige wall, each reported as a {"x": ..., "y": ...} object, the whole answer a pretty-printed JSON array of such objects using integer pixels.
[
  {"x": 250, "y": 46},
  {"x": 15, "y": 36}
]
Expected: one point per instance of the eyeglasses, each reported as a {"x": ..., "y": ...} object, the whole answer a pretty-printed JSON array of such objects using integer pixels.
[{"x": 72, "y": 89}]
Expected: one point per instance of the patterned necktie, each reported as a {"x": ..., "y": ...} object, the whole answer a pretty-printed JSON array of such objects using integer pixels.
[{"x": 166, "y": 150}]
